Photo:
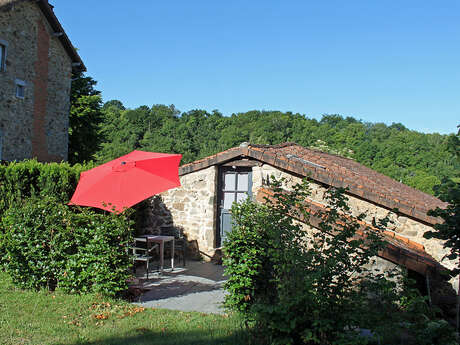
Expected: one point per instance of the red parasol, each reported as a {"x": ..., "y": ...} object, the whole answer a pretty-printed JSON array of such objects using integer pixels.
[{"x": 127, "y": 180}]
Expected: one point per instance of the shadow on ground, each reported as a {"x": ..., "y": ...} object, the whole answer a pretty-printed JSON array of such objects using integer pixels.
[
  {"x": 148, "y": 337},
  {"x": 176, "y": 289},
  {"x": 196, "y": 287}
]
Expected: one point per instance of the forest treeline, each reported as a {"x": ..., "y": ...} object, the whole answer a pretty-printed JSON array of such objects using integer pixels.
[
  {"x": 106, "y": 131},
  {"x": 417, "y": 159}
]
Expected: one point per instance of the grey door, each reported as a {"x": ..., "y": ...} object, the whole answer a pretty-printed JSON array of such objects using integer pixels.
[{"x": 235, "y": 185}]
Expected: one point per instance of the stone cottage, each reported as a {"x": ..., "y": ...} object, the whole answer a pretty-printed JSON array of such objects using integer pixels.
[
  {"x": 209, "y": 187},
  {"x": 36, "y": 63}
]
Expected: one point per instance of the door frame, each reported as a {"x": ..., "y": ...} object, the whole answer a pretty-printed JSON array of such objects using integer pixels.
[{"x": 220, "y": 182}]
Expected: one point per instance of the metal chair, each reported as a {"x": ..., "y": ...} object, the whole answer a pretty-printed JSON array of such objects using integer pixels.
[{"x": 142, "y": 253}]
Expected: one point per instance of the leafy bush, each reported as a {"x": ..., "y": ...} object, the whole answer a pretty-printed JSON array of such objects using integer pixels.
[
  {"x": 48, "y": 244},
  {"x": 311, "y": 287},
  {"x": 19, "y": 181}
]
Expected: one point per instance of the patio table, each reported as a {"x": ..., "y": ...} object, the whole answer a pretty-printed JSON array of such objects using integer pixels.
[{"x": 161, "y": 240}]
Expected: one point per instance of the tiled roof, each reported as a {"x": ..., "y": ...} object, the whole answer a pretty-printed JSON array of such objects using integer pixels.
[
  {"x": 398, "y": 249},
  {"x": 332, "y": 170},
  {"x": 47, "y": 10}
]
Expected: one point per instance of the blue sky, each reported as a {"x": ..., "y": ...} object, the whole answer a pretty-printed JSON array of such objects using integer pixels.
[{"x": 379, "y": 61}]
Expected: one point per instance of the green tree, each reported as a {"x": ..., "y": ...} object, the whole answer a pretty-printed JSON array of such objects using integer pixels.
[
  {"x": 449, "y": 191},
  {"x": 123, "y": 130},
  {"x": 298, "y": 286},
  {"x": 449, "y": 229},
  {"x": 85, "y": 119},
  {"x": 160, "y": 131},
  {"x": 416, "y": 159}
]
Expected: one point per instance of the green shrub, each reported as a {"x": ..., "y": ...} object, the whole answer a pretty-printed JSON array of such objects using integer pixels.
[
  {"x": 246, "y": 253},
  {"x": 48, "y": 244},
  {"x": 21, "y": 180},
  {"x": 299, "y": 287}
]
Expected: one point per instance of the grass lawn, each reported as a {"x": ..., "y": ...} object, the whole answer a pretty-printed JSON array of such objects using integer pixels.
[{"x": 28, "y": 317}]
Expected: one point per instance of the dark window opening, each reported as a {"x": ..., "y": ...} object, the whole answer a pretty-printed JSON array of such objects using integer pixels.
[
  {"x": 20, "y": 91},
  {"x": 2, "y": 57},
  {"x": 20, "y": 88},
  {"x": 419, "y": 282}
]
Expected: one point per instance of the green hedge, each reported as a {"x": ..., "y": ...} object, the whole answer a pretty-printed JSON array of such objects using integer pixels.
[
  {"x": 22, "y": 180},
  {"x": 46, "y": 244},
  {"x": 51, "y": 245}
]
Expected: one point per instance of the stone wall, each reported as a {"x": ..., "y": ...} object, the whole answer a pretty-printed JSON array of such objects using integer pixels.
[
  {"x": 16, "y": 114},
  {"x": 191, "y": 207},
  {"x": 58, "y": 104},
  {"x": 36, "y": 126}
]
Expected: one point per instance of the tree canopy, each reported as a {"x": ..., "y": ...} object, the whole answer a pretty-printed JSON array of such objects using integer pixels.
[
  {"x": 84, "y": 119},
  {"x": 416, "y": 159},
  {"x": 449, "y": 191}
]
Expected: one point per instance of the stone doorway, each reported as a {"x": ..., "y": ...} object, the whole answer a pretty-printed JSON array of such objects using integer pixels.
[{"x": 234, "y": 185}]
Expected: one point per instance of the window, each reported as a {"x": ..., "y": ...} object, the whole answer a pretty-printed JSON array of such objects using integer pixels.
[
  {"x": 236, "y": 187},
  {"x": 20, "y": 88},
  {"x": 3, "y": 46}
]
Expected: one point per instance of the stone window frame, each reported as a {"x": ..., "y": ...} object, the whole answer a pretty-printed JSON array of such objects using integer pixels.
[
  {"x": 20, "y": 89},
  {"x": 3, "y": 52}
]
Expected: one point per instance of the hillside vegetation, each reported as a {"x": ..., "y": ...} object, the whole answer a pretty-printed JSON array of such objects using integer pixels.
[{"x": 416, "y": 159}]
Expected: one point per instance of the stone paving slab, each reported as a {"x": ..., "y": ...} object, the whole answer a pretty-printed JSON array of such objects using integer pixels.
[{"x": 196, "y": 287}]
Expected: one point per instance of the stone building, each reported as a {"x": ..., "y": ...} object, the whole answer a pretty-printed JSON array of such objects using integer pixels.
[
  {"x": 36, "y": 63},
  {"x": 200, "y": 207}
]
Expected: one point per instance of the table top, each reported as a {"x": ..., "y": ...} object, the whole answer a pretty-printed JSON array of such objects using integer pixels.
[{"x": 157, "y": 238}]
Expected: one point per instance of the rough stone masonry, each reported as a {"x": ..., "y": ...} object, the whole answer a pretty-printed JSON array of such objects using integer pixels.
[{"x": 34, "y": 123}]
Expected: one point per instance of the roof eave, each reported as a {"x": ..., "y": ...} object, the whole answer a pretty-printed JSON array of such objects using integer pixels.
[
  {"x": 77, "y": 62},
  {"x": 217, "y": 159}
]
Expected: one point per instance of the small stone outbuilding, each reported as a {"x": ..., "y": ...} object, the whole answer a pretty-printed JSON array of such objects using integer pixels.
[
  {"x": 36, "y": 63},
  {"x": 200, "y": 207}
]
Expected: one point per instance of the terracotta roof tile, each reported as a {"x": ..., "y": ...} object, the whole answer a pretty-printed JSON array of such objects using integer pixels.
[
  {"x": 334, "y": 171},
  {"x": 348, "y": 172}
]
